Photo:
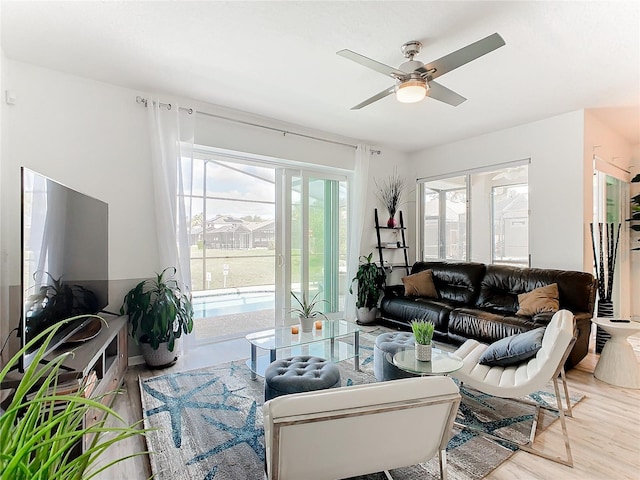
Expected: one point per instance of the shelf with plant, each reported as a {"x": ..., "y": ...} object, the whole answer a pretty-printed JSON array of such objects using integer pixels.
[{"x": 391, "y": 194}]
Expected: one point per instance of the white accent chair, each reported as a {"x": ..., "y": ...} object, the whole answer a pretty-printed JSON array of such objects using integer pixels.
[
  {"x": 357, "y": 430},
  {"x": 527, "y": 377}
]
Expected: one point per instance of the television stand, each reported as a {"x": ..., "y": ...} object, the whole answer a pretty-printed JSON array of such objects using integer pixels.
[{"x": 102, "y": 360}]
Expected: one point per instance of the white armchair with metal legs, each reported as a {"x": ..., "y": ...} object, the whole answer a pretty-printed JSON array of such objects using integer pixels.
[
  {"x": 527, "y": 377},
  {"x": 348, "y": 431}
]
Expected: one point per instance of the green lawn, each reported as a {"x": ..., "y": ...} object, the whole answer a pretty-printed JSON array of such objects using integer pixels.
[{"x": 245, "y": 268}]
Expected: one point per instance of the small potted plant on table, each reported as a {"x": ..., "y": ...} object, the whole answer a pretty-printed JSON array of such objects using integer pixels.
[
  {"x": 307, "y": 311},
  {"x": 423, "y": 333},
  {"x": 371, "y": 281},
  {"x": 159, "y": 313}
]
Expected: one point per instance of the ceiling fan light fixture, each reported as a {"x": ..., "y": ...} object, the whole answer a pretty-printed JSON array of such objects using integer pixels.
[{"x": 411, "y": 91}]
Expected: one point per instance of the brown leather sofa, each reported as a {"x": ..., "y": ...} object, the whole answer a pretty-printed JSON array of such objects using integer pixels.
[{"x": 480, "y": 301}]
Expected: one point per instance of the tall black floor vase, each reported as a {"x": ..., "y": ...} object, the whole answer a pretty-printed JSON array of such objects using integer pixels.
[
  {"x": 605, "y": 251},
  {"x": 605, "y": 309}
]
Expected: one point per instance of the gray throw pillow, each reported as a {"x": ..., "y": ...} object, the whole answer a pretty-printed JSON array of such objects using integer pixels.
[{"x": 514, "y": 349}]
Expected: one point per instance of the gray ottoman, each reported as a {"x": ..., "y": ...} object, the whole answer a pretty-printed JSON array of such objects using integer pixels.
[
  {"x": 299, "y": 374},
  {"x": 390, "y": 343}
]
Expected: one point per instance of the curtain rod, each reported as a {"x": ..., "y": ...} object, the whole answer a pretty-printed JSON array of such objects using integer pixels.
[{"x": 168, "y": 106}]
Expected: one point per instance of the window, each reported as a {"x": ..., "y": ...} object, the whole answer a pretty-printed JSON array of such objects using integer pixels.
[
  {"x": 445, "y": 219},
  {"x": 510, "y": 213},
  {"x": 481, "y": 216}
]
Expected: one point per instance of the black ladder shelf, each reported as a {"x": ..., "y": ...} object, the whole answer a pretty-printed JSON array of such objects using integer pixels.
[{"x": 400, "y": 245}]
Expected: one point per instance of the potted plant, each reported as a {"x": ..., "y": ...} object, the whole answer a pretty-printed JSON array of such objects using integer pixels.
[
  {"x": 42, "y": 429},
  {"x": 390, "y": 194},
  {"x": 307, "y": 311},
  {"x": 371, "y": 281},
  {"x": 423, "y": 333},
  {"x": 159, "y": 313}
]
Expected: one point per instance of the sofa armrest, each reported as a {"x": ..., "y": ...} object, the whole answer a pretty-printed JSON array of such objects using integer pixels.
[{"x": 394, "y": 291}]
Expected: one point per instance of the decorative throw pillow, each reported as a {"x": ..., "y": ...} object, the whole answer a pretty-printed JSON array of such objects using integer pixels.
[
  {"x": 543, "y": 299},
  {"x": 420, "y": 285},
  {"x": 514, "y": 349}
]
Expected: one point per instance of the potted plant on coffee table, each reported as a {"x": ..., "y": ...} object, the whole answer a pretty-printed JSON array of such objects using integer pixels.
[
  {"x": 307, "y": 311},
  {"x": 423, "y": 333},
  {"x": 159, "y": 313},
  {"x": 371, "y": 281}
]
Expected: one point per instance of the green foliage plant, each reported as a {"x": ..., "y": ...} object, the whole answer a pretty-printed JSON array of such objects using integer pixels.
[
  {"x": 159, "y": 311},
  {"x": 41, "y": 430},
  {"x": 371, "y": 281},
  {"x": 422, "y": 331},
  {"x": 307, "y": 309}
]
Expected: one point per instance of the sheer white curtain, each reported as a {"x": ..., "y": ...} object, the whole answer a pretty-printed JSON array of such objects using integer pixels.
[
  {"x": 357, "y": 210},
  {"x": 171, "y": 131}
]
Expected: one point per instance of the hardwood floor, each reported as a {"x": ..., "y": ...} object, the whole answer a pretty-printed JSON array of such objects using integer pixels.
[{"x": 604, "y": 430}]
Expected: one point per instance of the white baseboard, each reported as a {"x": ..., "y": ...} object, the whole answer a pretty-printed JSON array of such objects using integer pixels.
[{"x": 136, "y": 360}]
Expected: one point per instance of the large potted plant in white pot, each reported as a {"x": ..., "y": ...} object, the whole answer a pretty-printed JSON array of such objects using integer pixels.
[
  {"x": 159, "y": 313},
  {"x": 371, "y": 280}
]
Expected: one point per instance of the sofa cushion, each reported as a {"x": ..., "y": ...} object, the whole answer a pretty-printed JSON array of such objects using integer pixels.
[
  {"x": 484, "y": 326},
  {"x": 428, "y": 309},
  {"x": 420, "y": 285},
  {"x": 514, "y": 349},
  {"x": 538, "y": 300},
  {"x": 502, "y": 284},
  {"x": 457, "y": 282}
]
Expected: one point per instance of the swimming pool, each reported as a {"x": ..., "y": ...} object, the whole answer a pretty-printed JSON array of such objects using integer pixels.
[{"x": 213, "y": 304}]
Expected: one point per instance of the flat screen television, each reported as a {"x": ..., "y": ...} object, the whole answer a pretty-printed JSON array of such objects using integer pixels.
[{"x": 65, "y": 260}]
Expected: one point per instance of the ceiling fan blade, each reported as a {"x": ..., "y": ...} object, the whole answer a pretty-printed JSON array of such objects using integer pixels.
[
  {"x": 375, "y": 98},
  {"x": 442, "y": 93},
  {"x": 462, "y": 56},
  {"x": 372, "y": 64}
]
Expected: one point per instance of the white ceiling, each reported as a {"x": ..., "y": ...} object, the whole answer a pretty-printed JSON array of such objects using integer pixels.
[{"x": 278, "y": 59}]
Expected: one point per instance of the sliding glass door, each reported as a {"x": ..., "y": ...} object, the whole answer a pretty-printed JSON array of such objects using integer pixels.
[
  {"x": 312, "y": 247},
  {"x": 258, "y": 232}
]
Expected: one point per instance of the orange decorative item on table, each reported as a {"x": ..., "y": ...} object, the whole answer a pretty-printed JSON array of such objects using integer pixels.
[
  {"x": 294, "y": 329},
  {"x": 318, "y": 324}
]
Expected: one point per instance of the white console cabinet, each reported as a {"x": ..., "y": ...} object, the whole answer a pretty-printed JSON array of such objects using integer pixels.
[{"x": 102, "y": 360}]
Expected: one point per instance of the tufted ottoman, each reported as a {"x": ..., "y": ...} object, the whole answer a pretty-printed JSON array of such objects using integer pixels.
[
  {"x": 390, "y": 343},
  {"x": 299, "y": 374}
]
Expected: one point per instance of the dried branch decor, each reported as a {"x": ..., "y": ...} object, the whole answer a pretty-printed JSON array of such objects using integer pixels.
[{"x": 390, "y": 192}]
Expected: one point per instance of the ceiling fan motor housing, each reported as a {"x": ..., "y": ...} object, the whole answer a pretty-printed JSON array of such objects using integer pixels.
[{"x": 411, "y": 48}]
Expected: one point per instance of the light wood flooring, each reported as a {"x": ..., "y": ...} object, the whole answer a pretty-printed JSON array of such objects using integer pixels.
[{"x": 604, "y": 430}]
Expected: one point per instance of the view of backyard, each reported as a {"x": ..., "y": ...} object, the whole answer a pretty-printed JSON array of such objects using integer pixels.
[{"x": 233, "y": 251}]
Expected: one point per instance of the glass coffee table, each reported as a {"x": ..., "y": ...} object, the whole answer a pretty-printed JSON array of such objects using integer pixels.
[
  {"x": 442, "y": 363},
  {"x": 319, "y": 342}
]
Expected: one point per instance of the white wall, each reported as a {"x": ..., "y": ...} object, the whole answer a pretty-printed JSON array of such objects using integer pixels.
[
  {"x": 4, "y": 291},
  {"x": 556, "y": 186},
  {"x": 93, "y": 137}
]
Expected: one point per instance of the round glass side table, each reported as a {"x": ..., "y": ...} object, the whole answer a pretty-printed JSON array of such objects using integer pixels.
[{"x": 442, "y": 363}]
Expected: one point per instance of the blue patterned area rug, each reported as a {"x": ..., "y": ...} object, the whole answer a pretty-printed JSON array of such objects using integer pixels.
[{"x": 209, "y": 425}]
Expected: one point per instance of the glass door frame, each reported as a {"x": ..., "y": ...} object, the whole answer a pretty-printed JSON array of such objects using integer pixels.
[{"x": 284, "y": 241}]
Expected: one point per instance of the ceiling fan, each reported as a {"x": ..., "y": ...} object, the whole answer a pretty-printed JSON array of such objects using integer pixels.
[{"x": 415, "y": 80}]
